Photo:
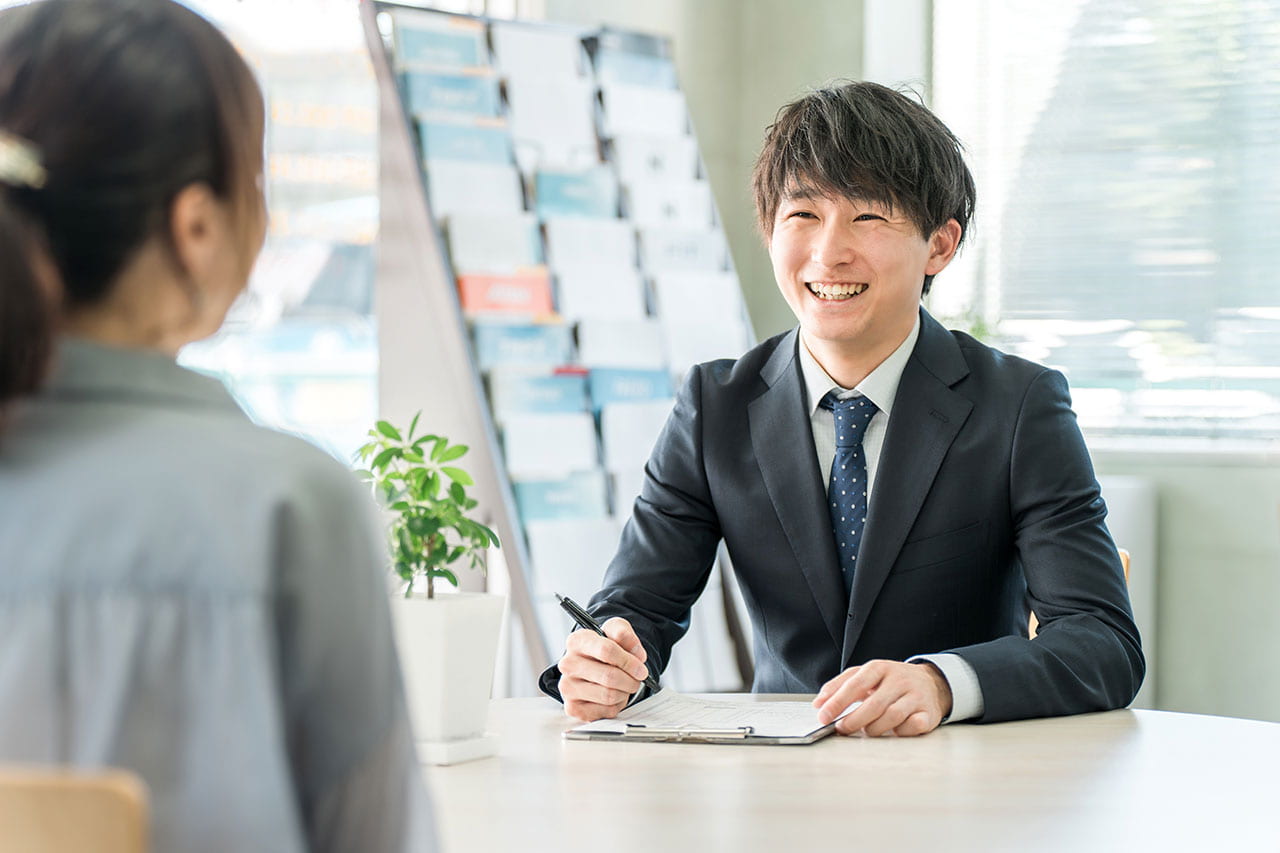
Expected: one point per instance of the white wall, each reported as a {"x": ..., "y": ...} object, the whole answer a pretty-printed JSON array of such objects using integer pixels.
[{"x": 1219, "y": 578}]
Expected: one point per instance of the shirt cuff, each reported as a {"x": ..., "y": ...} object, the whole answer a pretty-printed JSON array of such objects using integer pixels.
[{"x": 966, "y": 692}]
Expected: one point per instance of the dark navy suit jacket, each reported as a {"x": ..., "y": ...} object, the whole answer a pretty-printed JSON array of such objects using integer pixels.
[{"x": 985, "y": 505}]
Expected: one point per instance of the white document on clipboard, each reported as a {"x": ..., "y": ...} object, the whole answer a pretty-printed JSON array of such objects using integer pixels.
[{"x": 668, "y": 716}]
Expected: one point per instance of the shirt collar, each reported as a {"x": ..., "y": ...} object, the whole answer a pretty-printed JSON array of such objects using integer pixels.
[
  {"x": 880, "y": 386},
  {"x": 83, "y": 368}
]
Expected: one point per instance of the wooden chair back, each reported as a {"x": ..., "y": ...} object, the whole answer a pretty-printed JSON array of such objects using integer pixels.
[{"x": 58, "y": 810}]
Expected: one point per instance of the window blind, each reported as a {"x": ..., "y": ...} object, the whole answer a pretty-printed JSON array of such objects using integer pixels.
[{"x": 1127, "y": 156}]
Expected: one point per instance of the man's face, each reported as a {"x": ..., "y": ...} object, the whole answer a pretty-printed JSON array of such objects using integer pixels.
[{"x": 853, "y": 271}]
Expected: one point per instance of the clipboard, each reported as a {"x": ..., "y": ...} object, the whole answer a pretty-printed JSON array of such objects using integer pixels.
[
  {"x": 668, "y": 717},
  {"x": 675, "y": 734}
]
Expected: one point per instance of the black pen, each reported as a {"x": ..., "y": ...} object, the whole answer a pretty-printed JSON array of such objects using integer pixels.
[{"x": 584, "y": 620}]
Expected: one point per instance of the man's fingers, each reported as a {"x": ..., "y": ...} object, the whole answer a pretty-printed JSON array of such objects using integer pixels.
[
  {"x": 620, "y": 631},
  {"x": 874, "y": 706},
  {"x": 575, "y": 688},
  {"x": 583, "y": 662},
  {"x": 605, "y": 675},
  {"x": 597, "y": 675},
  {"x": 858, "y": 684},
  {"x": 893, "y": 716},
  {"x": 896, "y": 697},
  {"x": 824, "y": 693},
  {"x": 589, "y": 712},
  {"x": 606, "y": 650},
  {"x": 918, "y": 723}
]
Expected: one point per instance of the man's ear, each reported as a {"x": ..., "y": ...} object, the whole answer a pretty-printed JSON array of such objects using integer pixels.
[
  {"x": 942, "y": 246},
  {"x": 194, "y": 220}
]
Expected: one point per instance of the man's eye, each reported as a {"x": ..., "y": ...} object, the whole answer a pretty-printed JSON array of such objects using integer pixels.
[
  {"x": 867, "y": 217},
  {"x": 803, "y": 214}
]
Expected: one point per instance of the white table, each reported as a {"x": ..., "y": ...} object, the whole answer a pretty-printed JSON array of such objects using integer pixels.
[{"x": 1124, "y": 780}]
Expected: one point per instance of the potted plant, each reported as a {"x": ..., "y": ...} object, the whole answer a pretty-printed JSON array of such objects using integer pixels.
[{"x": 448, "y": 643}]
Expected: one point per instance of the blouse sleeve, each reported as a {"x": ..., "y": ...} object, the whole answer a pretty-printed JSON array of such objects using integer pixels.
[{"x": 352, "y": 755}]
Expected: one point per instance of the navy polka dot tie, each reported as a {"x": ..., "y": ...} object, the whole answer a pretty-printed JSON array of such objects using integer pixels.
[{"x": 847, "y": 495}]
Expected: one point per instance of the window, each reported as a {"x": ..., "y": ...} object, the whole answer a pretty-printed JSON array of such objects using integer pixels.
[
  {"x": 1129, "y": 196},
  {"x": 299, "y": 350}
]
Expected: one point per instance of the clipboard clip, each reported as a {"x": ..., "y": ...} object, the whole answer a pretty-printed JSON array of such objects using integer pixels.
[{"x": 678, "y": 733}]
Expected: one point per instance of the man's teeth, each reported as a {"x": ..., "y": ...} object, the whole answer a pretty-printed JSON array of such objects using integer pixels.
[{"x": 835, "y": 291}]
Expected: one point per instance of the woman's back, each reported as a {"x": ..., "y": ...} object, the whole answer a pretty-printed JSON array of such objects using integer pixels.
[
  {"x": 197, "y": 598},
  {"x": 183, "y": 594}
]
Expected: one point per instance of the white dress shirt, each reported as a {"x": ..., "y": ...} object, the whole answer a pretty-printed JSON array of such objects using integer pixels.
[{"x": 881, "y": 387}]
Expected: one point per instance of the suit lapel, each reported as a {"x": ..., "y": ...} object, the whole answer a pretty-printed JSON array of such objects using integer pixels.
[
  {"x": 926, "y": 417},
  {"x": 778, "y": 424}
]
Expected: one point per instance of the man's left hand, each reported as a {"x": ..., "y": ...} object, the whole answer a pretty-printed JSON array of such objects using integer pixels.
[{"x": 903, "y": 698}]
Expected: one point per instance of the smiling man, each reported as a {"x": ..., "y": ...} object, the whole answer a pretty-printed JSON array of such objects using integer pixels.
[{"x": 896, "y": 498}]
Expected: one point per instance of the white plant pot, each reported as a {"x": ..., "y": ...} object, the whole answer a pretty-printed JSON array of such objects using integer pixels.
[{"x": 448, "y": 646}]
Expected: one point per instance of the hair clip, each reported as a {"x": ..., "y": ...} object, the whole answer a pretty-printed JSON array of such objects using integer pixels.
[{"x": 20, "y": 163}]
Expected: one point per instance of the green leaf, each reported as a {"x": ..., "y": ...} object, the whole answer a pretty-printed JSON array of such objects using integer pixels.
[
  {"x": 423, "y": 526},
  {"x": 399, "y": 506},
  {"x": 366, "y": 449},
  {"x": 407, "y": 552},
  {"x": 413, "y": 456},
  {"x": 457, "y": 552},
  {"x": 441, "y": 444},
  {"x": 458, "y": 493},
  {"x": 386, "y": 456},
  {"x": 453, "y": 453},
  {"x": 443, "y": 574},
  {"x": 388, "y": 430},
  {"x": 457, "y": 475},
  {"x": 364, "y": 474},
  {"x": 414, "y": 423},
  {"x": 493, "y": 537}
]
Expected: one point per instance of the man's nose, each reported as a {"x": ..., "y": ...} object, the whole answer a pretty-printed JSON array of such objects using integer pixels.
[{"x": 832, "y": 246}]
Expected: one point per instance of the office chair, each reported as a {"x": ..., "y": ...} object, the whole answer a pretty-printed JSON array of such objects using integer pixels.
[
  {"x": 1124, "y": 561},
  {"x": 63, "y": 809}
]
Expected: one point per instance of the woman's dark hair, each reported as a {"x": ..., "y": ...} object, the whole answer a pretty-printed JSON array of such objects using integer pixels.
[
  {"x": 124, "y": 103},
  {"x": 865, "y": 141}
]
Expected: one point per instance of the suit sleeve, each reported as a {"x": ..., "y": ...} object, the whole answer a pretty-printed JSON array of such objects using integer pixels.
[
  {"x": 1087, "y": 655},
  {"x": 669, "y": 544}
]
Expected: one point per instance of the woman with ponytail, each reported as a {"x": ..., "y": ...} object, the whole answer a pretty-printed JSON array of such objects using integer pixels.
[{"x": 183, "y": 593}]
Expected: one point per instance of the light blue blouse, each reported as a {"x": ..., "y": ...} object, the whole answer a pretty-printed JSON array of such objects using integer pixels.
[{"x": 204, "y": 601}]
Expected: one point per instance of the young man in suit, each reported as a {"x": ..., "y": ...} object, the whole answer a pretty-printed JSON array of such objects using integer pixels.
[{"x": 894, "y": 497}]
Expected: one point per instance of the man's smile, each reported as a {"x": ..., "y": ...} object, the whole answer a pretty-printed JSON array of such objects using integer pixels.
[{"x": 835, "y": 291}]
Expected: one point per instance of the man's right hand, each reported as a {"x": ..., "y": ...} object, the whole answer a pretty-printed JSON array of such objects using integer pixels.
[{"x": 599, "y": 675}]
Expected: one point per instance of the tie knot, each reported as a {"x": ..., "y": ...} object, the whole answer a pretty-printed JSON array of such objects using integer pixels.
[{"x": 852, "y": 415}]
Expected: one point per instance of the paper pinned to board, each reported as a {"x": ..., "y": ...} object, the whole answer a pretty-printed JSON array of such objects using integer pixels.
[{"x": 673, "y": 716}]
